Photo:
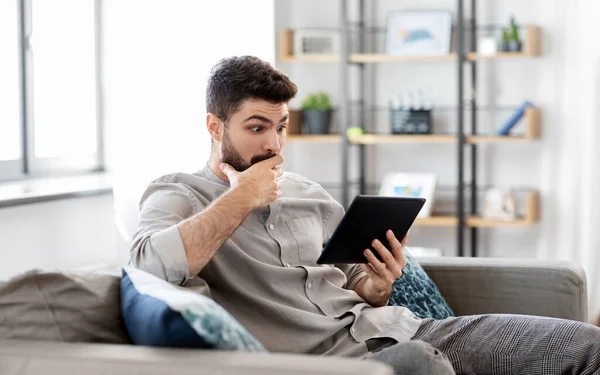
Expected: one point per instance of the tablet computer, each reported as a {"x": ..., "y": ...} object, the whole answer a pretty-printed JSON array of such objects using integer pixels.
[{"x": 368, "y": 218}]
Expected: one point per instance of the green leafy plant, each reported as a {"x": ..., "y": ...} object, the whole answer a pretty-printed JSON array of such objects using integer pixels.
[
  {"x": 505, "y": 35},
  {"x": 514, "y": 30},
  {"x": 317, "y": 101}
]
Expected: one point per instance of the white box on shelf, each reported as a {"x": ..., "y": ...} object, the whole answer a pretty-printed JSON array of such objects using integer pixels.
[
  {"x": 315, "y": 42},
  {"x": 487, "y": 46}
]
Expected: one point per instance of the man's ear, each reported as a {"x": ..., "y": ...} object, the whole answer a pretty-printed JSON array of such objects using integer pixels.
[{"x": 215, "y": 127}]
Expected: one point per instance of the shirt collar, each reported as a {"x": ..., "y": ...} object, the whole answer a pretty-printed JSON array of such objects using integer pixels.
[{"x": 210, "y": 175}]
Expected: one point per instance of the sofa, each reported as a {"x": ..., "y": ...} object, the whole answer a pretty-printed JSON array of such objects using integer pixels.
[{"x": 469, "y": 285}]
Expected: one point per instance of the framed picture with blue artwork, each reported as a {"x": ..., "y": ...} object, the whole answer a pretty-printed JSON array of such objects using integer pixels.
[
  {"x": 414, "y": 185},
  {"x": 419, "y": 33}
]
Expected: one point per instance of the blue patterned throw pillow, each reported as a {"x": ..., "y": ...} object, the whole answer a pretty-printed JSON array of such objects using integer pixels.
[
  {"x": 157, "y": 313},
  {"x": 416, "y": 291}
]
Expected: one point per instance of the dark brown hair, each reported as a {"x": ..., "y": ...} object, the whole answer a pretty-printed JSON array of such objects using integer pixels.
[{"x": 236, "y": 79}]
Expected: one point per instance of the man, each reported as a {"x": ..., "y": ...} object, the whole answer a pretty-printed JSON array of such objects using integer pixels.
[{"x": 253, "y": 234}]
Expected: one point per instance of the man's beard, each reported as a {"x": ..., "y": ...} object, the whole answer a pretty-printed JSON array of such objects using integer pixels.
[{"x": 233, "y": 158}]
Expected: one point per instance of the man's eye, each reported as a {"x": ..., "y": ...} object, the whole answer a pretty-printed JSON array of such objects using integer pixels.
[
  {"x": 256, "y": 129},
  {"x": 281, "y": 128}
]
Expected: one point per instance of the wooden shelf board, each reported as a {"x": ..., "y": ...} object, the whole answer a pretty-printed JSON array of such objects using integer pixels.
[
  {"x": 315, "y": 59},
  {"x": 499, "y": 56},
  {"x": 498, "y": 138},
  {"x": 481, "y": 222},
  {"x": 368, "y": 139},
  {"x": 437, "y": 221},
  {"x": 451, "y": 221},
  {"x": 531, "y": 217},
  {"x": 382, "y": 57},
  {"x": 325, "y": 138},
  {"x": 385, "y": 58}
]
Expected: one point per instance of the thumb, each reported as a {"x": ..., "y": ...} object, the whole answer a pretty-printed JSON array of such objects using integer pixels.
[{"x": 228, "y": 170}]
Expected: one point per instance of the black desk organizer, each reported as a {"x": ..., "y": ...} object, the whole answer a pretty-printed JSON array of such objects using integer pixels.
[{"x": 410, "y": 121}]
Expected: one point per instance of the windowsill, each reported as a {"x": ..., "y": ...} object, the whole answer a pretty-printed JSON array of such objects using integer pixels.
[{"x": 39, "y": 190}]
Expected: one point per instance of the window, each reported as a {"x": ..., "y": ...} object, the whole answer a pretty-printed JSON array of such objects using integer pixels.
[
  {"x": 49, "y": 110},
  {"x": 10, "y": 137}
]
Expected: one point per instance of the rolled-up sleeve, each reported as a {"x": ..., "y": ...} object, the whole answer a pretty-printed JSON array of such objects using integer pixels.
[{"x": 157, "y": 245}]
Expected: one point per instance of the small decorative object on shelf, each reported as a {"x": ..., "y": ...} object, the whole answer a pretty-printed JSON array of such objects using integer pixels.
[
  {"x": 354, "y": 132},
  {"x": 316, "y": 113},
  {"x": 415, "y": 185},
  {"x": 499, "y": 205},
  {"x": 514, "y": 119},
  {"x": 409, "y": 116},
  {"x": 487, "y": 46},
  {"x": 418, "y": 33},
  {"x": 314, "y": 42},
  {"x": 410, "y": 121},
  {"x": 511, "y": 40}
]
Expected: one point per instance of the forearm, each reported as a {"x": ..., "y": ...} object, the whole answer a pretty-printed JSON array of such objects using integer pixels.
[
  {"x": 204, "y": 233},
  {"x": 376, "y": 298}
]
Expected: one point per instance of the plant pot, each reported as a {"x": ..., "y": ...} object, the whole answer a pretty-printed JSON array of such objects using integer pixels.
[
  {"x": 514, "y": 46},
  {"x": 317, "y": 121}
]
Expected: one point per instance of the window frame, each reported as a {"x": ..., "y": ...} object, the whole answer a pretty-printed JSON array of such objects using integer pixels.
[{"x": 28, "y": 165}]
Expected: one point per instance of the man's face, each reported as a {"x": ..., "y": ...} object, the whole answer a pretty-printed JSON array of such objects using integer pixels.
[{"x": 256, "y": 132}]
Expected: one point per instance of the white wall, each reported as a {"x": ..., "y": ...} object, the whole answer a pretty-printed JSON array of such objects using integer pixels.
[
  {"x": 501, "y": 83},
  {"x": 157, "y": 57},
  {"x": 64, "y": 234}
]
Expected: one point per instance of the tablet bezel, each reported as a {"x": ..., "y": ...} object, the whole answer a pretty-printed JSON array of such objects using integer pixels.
[{"x": 337, "y": 253}]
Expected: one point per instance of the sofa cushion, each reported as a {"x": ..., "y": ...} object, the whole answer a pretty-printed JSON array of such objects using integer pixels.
[
  {"x": 416, "y": 291},
  {"x": 62, "y": 306},
  {"x": 158, "y": 313}
]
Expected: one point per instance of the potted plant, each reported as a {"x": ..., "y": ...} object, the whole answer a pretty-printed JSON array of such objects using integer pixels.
[
  {"x": 511, "y": 40},
  {"x": 504, "y": 42},
  {"x": 514, "y": 44},
  {"x": 316, "y": 113}
]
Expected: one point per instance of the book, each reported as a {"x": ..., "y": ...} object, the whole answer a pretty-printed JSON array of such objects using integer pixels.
[{"x": 514, "y": 119}]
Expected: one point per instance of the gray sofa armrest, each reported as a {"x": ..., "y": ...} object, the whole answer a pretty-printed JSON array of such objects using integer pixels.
[
  {"x": 45, "y": 357},
  {"x": 515, "y": 286}
]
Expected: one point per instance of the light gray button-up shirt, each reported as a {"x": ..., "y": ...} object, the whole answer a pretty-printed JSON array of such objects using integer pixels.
[{"x": 265, "y": 274}]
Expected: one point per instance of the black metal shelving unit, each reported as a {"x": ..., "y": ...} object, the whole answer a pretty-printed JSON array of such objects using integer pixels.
[
  {"x": 354, "y": 61},
  {"x": 462, "y": 145}
]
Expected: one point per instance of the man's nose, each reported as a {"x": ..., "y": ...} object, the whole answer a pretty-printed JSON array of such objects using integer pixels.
[{"x": 273, "y": 143}]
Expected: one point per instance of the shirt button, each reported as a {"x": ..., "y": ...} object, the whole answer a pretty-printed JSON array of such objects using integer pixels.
[
  {"x": 352, "y": 329},
  {"x": 287, "y": 265},
  {"x": 271, "y": 226},
  {"x": 309, "y": 285}
]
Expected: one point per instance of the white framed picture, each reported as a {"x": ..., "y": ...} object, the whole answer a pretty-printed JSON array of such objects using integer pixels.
[
  {"x": 412, "y": 185},
  {"x": 315, "y": 42},
  {"x": 421, "y": 33}
]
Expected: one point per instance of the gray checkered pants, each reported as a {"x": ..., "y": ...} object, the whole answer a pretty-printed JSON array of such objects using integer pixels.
[{"x": 515, "y": 344}]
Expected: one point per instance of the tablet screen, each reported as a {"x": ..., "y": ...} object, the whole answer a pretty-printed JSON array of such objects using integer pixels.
[{"x": 368, "y": 218}]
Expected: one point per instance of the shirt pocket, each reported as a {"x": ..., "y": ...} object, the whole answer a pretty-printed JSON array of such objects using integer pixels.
[{"x": 308, "y": 238}]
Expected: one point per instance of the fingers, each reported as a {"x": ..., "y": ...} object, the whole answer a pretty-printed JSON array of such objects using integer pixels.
[
  {"x": 278, "y": 172},
  {"x": 368, "y": 270},
  {"x": 228, "y": 170},
  {"x": 403, "y": 242},
  {"x": 391, "y": 263},
  {"x": 374, "y": 262},
  {"x": 272, "y": 162},
  {"x": 397, "y": 248}
]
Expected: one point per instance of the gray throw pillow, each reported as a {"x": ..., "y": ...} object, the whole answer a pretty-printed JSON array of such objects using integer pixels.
[{"x": 57, "y": 306}]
